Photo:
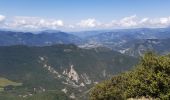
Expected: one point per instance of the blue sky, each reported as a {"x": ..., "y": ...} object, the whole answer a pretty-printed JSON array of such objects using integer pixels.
[{"x": 77, "y": 11}]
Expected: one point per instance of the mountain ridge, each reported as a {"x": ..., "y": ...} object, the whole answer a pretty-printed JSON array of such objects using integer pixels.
[{"x": 65, "y": 68}]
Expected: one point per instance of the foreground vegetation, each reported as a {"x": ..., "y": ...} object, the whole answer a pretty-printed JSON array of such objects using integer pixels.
[{"x": 149, "y": 79}]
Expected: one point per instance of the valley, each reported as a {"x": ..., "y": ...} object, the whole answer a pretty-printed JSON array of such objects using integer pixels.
[
  {"x": 84, "y": 50},
  {"x": 59, "y": 68},
  {"x": 48, "y": 62}
]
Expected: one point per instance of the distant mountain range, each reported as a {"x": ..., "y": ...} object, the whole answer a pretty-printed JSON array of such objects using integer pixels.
[
  {"x": 50, "y": 37},
  {"x": 133, "y": 42},
  {"x": 128, "y": 41},
  {"x": 43, "y": 38},
  {"x": 68, "y": 64}
]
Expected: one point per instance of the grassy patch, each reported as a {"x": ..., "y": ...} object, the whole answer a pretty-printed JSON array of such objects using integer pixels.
[{"x": 5, "y": 82}]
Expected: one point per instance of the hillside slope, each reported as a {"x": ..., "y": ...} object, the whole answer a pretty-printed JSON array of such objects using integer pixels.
[{"x": 65, "y": 68}]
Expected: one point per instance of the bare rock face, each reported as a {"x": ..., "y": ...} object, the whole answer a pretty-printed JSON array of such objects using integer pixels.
[
  {"x": 72, "y": 96},
  {"x": 73, "y": 75},
  {"x": 64, "y": 90},
  {"x": 86, "y": 78}
]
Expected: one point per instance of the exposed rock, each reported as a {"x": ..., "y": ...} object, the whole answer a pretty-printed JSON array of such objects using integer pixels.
[
  {"x": 49, "y": 68},
  {"x": 42, "y": 58},
  {"x": 72, "y": 96},
  {"x": 72, "y": 74},
  {"x": 64, "y": 90},
  {"x": 67, "y": 50},
  {"x": 86, "y": 78},
  {"x": 104, "y": 73},
  {"x": 82, "y": 84}
]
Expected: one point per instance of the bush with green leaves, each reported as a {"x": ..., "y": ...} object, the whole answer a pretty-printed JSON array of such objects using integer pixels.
[{"x": 150, "y": 78}]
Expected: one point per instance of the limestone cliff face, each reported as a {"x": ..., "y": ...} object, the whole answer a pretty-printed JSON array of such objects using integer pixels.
[{"x": 72, "y": 74}]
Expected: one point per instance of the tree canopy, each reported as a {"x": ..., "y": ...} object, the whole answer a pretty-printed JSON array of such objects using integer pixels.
[{"x": 150, "y": 79}]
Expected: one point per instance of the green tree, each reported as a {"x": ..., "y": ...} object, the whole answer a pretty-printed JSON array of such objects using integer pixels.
[{"x": 150, "y": 78}]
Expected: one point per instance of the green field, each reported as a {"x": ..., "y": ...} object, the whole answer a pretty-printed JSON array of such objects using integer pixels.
[{"x": 5, "y": 82}]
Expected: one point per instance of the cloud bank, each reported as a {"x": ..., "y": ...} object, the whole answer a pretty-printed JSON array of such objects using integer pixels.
[
  {"x": 35, "y": 23},
  {"x": 134, "y": 21},
  {"x": 88, "y": 23},
  {"x": 2, "y": 18}
]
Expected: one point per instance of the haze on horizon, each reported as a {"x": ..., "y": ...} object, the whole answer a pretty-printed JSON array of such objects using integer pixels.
[{"x": 73, "y": 15}]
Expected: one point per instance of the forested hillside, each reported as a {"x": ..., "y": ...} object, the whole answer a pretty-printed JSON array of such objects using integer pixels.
[
  {"x": 149, "y": 79},
  {"x": 61, "y": 69}
]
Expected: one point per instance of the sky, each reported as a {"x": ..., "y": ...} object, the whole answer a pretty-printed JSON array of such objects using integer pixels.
[{"x": 83, "y": 14}]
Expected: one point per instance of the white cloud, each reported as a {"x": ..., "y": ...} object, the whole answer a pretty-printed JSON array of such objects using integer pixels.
[
  {"x": 155, "y": 22},
  {"x": 89, "y": 23},
  {"x": 57, "y": 23},
  {"x": 37, "y": 23},
  {"x": 2, "y": 18},
  {"x": 144, "y": 20},
  {"x": 164, "y": 20},
  {"x": 125, "y": 22},
  {"x": 128, "y": 21},
  {"x": 71, "y": 26},
  {"x": 134, "y": 21}
]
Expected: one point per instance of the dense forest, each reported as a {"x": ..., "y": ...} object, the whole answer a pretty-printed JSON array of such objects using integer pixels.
[{"x": 150, "y": 79}]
